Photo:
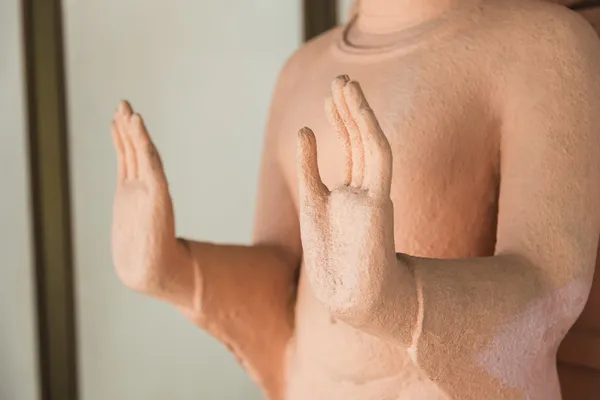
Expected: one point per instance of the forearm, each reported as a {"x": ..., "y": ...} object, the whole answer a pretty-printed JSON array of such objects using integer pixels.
[
  {"x": 231, "y": 281},
  {"x": 476, "y": 304},
  {"x": 476, "y": 315},
  {"x": 244, "y": 297},
  {"x": 462, "y": 291},
  {"x": 208, "y": 280}
]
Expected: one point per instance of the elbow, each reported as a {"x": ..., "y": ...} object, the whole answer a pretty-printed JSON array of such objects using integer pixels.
[
  {"x": 569, "y": 301},
  {"x": 559, "y": 288},
  {"x": 571, "y": 287},
  {"x": 563, "y": 310},
  {"x": 566, "y": 295}
]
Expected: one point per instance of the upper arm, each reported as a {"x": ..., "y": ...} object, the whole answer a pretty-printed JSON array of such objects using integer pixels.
[
  {"x": 276, "y": 220},
  {"x": 549, "y": 205}
]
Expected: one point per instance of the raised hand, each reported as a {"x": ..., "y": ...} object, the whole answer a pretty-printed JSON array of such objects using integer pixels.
[
  {"x": 347, "y": 233},
  {"x": 143, "y": 230}
]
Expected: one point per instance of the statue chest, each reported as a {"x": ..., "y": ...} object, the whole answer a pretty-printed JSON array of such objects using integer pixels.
[{"x": 445, "y": 156}]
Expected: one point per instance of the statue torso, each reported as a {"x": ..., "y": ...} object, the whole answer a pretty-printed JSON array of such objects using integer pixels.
[
  {"x": 436, "y": 100},
  {"x": 436, "y": 113}
]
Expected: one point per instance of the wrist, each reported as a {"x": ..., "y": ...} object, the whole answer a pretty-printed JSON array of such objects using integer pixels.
[
  {"x": 175, "y": 280},
  {"x": 415, "y": 315},
  {"x": 404, "y": 299}
]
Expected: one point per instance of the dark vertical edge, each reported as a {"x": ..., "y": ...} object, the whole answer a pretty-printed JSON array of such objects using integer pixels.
[
  {"x": 319, "y": 16},
  {"x": 49, "y": 166},
  {"x": 585, "y": 5}
]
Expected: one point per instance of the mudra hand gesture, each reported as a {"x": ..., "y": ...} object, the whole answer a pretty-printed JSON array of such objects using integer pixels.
[{"x": 347, "y": 233}]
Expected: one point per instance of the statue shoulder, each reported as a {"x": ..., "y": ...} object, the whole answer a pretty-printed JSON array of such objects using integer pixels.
[
  {"x": 306, "y": 55},
  {"x": 535, "y": 41},
  {"x": 522, "y": 26}
]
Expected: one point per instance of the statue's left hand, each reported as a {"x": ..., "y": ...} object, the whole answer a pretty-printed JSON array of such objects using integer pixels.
[{"x": 347, "y": 233}]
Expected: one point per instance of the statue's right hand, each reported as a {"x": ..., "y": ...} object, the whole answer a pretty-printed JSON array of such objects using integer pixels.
[{"x": 143, "y": 227}]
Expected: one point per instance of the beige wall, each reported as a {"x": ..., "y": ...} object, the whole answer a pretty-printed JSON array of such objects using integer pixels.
[
  {"x": 202, "y": 73},
  {"x": 18, "y": 351},
  {"x": 344, "y": 7}
]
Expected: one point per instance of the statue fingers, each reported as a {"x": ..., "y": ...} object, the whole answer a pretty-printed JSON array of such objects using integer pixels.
[
  {"x": 377, "y": 151},
  {"x": 149, "y": 161},
  {"x": 351, "y": 128},
  {"x": 123, "y": 122},
  {"x": 312, "y": 190},
  {"x": 335, "y": 120},
  {"x": 120, "y": 150}
]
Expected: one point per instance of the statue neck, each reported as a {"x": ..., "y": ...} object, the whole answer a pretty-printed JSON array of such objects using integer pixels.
[{"x": 386, "y": 16}]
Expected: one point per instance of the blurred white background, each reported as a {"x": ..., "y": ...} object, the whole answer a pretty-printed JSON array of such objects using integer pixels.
[
  {"x": 18, "y": 351},
  {"x": 344, "y": 7},
  {"x": 202, "y": 74}
]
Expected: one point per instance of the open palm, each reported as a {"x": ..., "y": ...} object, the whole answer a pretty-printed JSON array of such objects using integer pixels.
[
  {"x": 347, "y": 233},
  {"x": 143, "y": 229}
]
